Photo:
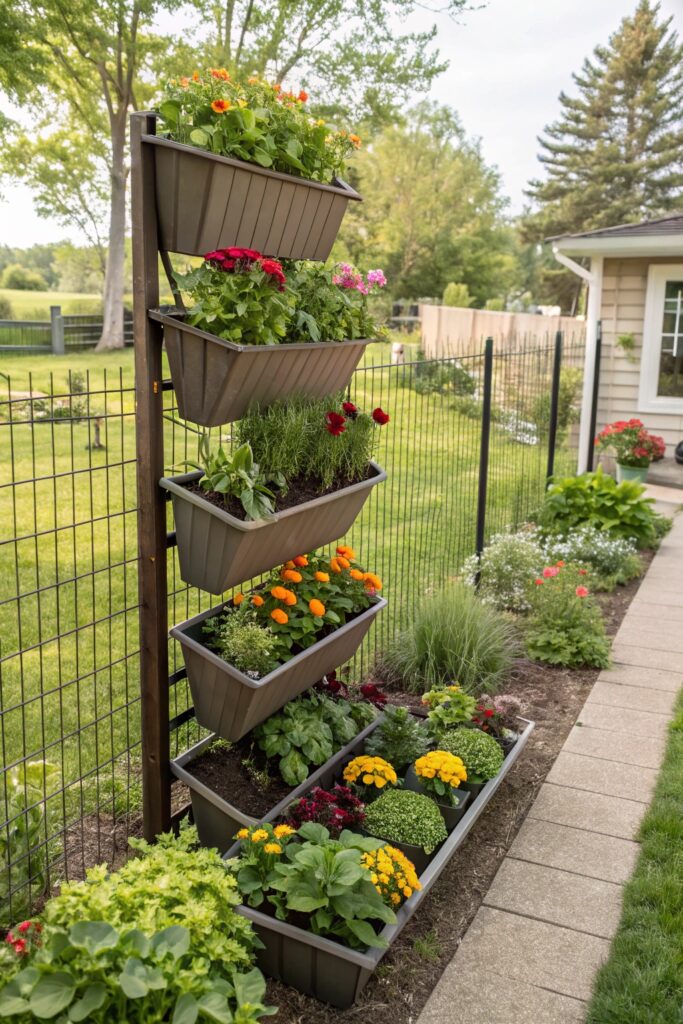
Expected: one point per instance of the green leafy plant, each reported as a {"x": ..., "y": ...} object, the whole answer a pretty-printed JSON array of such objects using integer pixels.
[
  {"x": 613, "y": 560},
  {"x": 239, "y": 295},
  {"x": 479, "y": 752},
  {"x": 436, "y": 376},
  {"x": 306, "y": 732},
  {"x": 247, "y": 645},
  {"x": 595, "y": 499},
  {"x": 568, "y": 410},
  {"x": 453, "y": 636},
  {"x": 326, "y": 441},
  {"x": 457, "y": 294},
  {"x": 507, "y": 567},
  {"x": 238, "y": 476},
  {"x": 23, "y": 855},
  {"x": 401, "y": 816},
  {"x": 331, "y": 302},
  {"x": 566, "y": 625},
  {"x": 627, "y": 344},
  {"x": 253, "y": 121},
  {"x": 400, "y": 738},
  {"x": 448, "y": 706}
]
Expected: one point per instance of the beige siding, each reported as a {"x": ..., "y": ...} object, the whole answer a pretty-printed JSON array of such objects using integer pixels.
[{"x": 622, "y": 312}]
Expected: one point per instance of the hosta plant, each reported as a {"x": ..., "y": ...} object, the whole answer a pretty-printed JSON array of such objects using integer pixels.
[
  {"x": 401, "y": 816},
  {"x": 479, "y": 752}
]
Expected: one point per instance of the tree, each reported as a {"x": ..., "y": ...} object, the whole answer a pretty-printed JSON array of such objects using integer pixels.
[
  {"x": 433, "y": 213},
  {"x": 22, "y": 279},
  {"x": 455, "y": 294},
  {"x": 615, "y": 154}
]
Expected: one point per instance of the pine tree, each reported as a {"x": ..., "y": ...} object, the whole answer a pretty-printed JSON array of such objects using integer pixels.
[
  {"x": 400, "y": 739},
  {"x": 615, "y": 154}
]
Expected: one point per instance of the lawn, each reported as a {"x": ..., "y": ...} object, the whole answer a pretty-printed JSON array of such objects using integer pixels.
[
  {"x": 30, "y": 305},
  {"x": 69, "y": 645},
  {"x": 642, "y": 982}
]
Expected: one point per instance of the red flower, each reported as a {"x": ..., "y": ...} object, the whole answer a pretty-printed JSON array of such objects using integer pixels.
[
  {"x": 379, "y": 416},
  {"x": 238, "y": 253},
  {"x": 303, "y": 96},
  {"x": 350, "y": 409},
  {"x": 228, "y": 264},
  {"x": 549, "y": 571},
  {"x": 274, "y": 269},
  {"x": 20, "y": 947},
  {"x": 373, "y": 694},
  {"x": 24, "y": 926},
  {"x": 583, "y": 572},
  {"x": 489, "y": 713},
  {"x": 539, "y": 583},
  {"x": 335, "y": 423},
  {"x": 581, "y": 592}
]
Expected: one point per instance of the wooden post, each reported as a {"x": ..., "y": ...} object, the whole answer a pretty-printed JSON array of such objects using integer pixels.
[{"x": 154, "y": 684}]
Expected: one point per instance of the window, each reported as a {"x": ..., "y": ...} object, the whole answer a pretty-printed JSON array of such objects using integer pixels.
[{"x": 661, "y": 377}]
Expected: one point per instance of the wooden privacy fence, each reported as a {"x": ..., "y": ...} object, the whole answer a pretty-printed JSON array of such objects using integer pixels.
[{"x": 451, "y": 331}]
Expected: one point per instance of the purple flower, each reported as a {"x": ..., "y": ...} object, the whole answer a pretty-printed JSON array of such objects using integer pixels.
[{"x": 376, "y": 277}]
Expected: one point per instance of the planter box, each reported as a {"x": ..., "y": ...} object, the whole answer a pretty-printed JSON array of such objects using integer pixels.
[
  {"x": 229, "y": 703},
  {"x": 217, "y": 820},
  {"x": 206, "y": 201},
  {"x": 215, "y": 381},
  {"x": 217, "y": 551},
  {"x": 332, "y": 972}
]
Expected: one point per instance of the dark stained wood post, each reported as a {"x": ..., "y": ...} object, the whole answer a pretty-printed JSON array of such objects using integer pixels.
[{"x": 154, "y": 684}]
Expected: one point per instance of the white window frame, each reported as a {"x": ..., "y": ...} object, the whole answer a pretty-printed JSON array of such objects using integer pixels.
[{"x": 648, "y": 399}]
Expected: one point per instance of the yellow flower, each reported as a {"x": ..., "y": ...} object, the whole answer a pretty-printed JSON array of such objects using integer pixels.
[
  {"x": 280, "y": 831},
  {"x": 259, "y": 835},
  {"x": 243, "y": 833},
  {"x": 407, "y": 892},
  {"x": 395, "y": 898},
  {"x": 272, "y": 848}
]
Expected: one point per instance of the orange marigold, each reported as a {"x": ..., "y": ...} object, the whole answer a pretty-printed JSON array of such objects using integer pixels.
[
  {"x": 301, "y": 561},
  {"x": 335, "y": 565},
  {"x": 195, "y": 76},
  {"x": 220, "y": 73},
  {"x": 356, "y": 574},
  {"x": 220, "y": 106},
  {"x": 346, "y": 551},
  {"x": 280, "y": 593},
  {"x": 292, "y": 576},
  {"x": 291, "y": 598},
  {"x": 257, "y": 600},
  {"x": 344, "y": 562},
  {"x": 238, "y": 598},
  {"x": 372, "y": 581},
  {"x": 303, "y": 96},
  {"x": 317, "y": 607},
  {"x": 322, "y": 577},
  {"x": 355, "y": 139},
  {"x": 279, "y": 616}
]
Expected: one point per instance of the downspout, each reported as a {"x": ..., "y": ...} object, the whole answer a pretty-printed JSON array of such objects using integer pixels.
[{"x": 593, "y": 278}]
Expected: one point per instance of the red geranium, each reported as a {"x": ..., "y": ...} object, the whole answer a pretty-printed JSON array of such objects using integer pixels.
[
  {"x": 274, "y": 269},
  {"x": 379, "y": 416},
  {"x": 335, "y": 423}
]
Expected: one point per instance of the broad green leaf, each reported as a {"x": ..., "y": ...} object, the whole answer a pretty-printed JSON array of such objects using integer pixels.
[
  {"x": 199, "y": 137},
  {"x": 174, "y": 940},
  {"x": 52, "y": 994},
  {"x": 93, "y": 936},
  {"x": 186, "y": 1010},
  {"x": 366, "y": 933},
  {"x": 170, "y": 111},
  {"x": 92, "y": 999}
]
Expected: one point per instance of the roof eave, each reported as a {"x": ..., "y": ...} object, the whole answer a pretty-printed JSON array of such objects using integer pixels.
[{"x": 642, "y": 245}]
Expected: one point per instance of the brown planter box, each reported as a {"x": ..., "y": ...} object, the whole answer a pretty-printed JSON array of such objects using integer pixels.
[
  {"x": 217, "y": 551},
  {"x": 229, "y": 703},
  {"x": 215, "y": 381},
  {"x": 206, "y": 201}
]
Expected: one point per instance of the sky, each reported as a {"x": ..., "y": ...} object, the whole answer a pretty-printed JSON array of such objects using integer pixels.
[{"x": 509, "y": 61}]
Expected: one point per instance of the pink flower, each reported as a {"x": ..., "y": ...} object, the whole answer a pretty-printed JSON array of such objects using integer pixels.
[
  {"x": 550, "y": 570},
  {"x": 376, "y": 277},
  {"x": 24, "y": 926},
  {"x": 582, "y": 592},
  {"x": 583, "y": 572}
]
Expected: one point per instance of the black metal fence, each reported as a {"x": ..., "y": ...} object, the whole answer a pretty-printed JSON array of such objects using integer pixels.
[
  {"x": 62, "y": 333},
  {"x": 70, "y": 790}
]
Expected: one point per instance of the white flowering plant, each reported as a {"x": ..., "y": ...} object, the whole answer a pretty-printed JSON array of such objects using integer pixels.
[
  {"x": 612, "y": 560},
  {"x": 508, "y": 566}
]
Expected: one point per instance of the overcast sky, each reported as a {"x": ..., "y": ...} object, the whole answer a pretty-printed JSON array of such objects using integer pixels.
[{"x": 508, "y": 63}]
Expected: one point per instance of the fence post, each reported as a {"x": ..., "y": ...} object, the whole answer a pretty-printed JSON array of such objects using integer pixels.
[
  {"x": 554, "y": 406},
  {"x": 57, "y": 330},
  {"x": 484, "y": 447},
  {"x": 594, "y": 399}
]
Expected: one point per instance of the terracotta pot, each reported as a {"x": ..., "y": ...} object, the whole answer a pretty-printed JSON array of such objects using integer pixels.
[
  {"x": 217, "y": 551},
  {"x": 215, "y": 381}
]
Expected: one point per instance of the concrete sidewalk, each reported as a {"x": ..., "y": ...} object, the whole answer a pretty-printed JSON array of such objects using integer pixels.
[{"x": 546, "y": 924}]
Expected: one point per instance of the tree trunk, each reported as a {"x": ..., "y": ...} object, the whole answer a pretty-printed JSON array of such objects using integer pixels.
[{"x": 112, "y": 326}]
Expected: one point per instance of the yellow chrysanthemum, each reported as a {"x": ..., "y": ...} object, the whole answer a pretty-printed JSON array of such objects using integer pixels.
[
  {"x": 280, "y": 831},
  {"x": 243, "y": 833},
  {"x": 272, "y": 848},
  {"x": 258, "y": 835}
]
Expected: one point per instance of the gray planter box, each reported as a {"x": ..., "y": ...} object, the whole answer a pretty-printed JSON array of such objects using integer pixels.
[
  {"x": 218, "y": 820},
  {"x": 206, "y": 201},
  {"x": 217, "y": 551},
  {"x": 229, "y": 703},
  {"x": 329, "y": 971},
  {"x": 215, "y": 381}
]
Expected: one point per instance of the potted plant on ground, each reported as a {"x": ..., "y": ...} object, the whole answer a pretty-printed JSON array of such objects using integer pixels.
[
  {"x": 632, "y": 446},
  {"x": 439, "y": 774},
  {"x": 481, "y": 755},
  {"x": 243, "y": 163},
  {"x": 409, "y": 820},
  {"x": 300, "y": 476}
]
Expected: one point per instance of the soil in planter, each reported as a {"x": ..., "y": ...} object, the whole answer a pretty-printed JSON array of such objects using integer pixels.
[
  {"x": 298, "y": 491},
  {"x": 251, "y": 787},
  {"x": 409, "y": 971}
]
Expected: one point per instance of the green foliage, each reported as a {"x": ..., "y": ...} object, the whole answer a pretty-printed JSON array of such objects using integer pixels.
[
  {"x": 23, "y": 855},
  {"x": 255, "y": 121},
  {"x": 400, "y": 738},
  {"x": 455, "y": 294},
  {"x": 507, "y": 567},
  {"x": 248, "y": 646},
  {"x": 453, "y": 636},
  {"x": 613, "y": 560},
  {"x": 326, "y": 309},
  {"x": 448, "y": 706},
  {"x": 238, "y": 476},
  {"x": 293, "y": 438},
  {"x": 568, "y": 411},
  {"x": 5, "y": 309},
  {"x": 480, "y": 753},
  {"x": 401, "y": 816},
  {"x": 566, "y": 628},
  {"x": 21, "y": 278},
  {"x": 326, "y": 880},
  {"x": 432, "y": 376},
  {"x": 495, "y": 305},
  {"x": 92, "y": 972},
  {"x": 307, "y": 731},
  {"x": 595, "y": 499}
]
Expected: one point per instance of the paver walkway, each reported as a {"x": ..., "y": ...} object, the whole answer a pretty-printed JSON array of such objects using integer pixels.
[{"x": 536, "y": 943}]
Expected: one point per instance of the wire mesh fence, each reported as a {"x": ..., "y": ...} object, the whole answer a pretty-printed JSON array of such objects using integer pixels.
[{"x": 70, "y": 786}]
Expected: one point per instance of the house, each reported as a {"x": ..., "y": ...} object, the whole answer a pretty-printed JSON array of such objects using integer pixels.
[{"x": 634, "y": 274}]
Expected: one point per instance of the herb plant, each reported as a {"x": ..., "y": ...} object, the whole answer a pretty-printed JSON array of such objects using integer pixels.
[
  {"x": 452, "y": 636},
  {"x": 306, "y": 732},
  {"x": 401, "y": 816},
  {"x": 254, "y": 121},
  {"x": 336, "y": 809},
  {"x": 238, "y": 476},
  {"x": 479, "y": 752},
  {"x": 566, "y": 626},
  {"x": 400, "y": 738},
  {"x": 245, "y": 644},
  {"x": 595, "y": 499},
  {"x": 325, "y": 441}
]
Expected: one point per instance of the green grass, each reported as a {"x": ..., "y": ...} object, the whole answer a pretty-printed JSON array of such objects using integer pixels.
[
  {"x": 73, "y": 693},
  {"x": 642, "y": 981},
  {"x": 28, "y": 305}
]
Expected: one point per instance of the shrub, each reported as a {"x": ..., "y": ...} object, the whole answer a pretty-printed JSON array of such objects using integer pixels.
[
  {"x": 437, "y": 376},
  {"x": 336, "y": 809},
  {"x": 400, "y": 738},
  {"x": 401, "y": 816},
  {"x": 566, "y": 625},
  {"x": 453, "y": 636},
  {"x": 326, "y": 441},
  {"x": 595, "y": 499},
  {"x": 22, "y": 279},
  {"x": 480, "y": 753},
  {"x": 568, "y": 412},
  {"x": 5, "y": 309},
  {"x": 507, "y": 566},
  {"x": 613, "y": 559},
  {"x": 456, "y": 294}
]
